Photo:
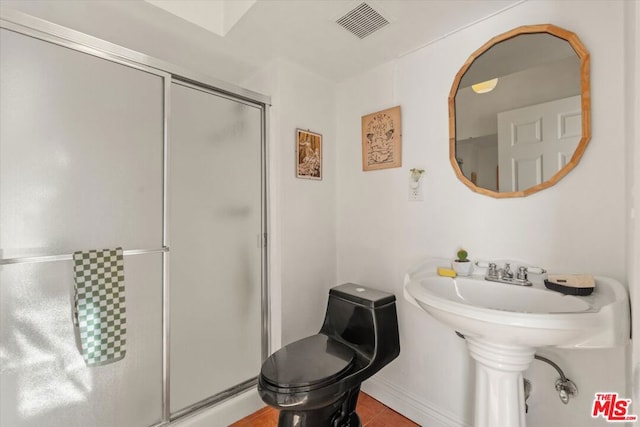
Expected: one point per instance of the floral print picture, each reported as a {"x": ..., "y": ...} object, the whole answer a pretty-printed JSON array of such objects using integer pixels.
[
  {"x": 308, "y": 154},
  {"x": 381, "y": 140}
]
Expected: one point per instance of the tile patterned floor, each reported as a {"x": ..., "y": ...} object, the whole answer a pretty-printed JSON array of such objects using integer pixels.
[{"x": 372, "y": 414}]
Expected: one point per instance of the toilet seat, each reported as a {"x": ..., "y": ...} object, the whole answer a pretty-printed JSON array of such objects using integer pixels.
[{"x": 310, "y": 362}]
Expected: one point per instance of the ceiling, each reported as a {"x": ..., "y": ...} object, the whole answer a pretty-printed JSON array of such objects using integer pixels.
[
  {"x": 260, "y": 31},
  {"x": 305, "y": 31}
]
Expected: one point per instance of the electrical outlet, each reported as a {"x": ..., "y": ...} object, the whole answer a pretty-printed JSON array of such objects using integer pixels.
[{"x": 415, "y": 194}]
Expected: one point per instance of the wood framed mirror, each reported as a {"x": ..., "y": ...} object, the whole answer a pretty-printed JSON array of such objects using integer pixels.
[{"x": 519, "y": 111}]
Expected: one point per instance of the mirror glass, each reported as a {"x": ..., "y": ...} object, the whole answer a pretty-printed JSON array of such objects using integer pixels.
[{"x": 519, "y": 111}]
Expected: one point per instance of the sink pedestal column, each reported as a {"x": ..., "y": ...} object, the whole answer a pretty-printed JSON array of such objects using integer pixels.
[{"x": 499, "y": 400}]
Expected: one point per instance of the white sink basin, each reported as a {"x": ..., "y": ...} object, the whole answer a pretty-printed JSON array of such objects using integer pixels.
[
  {"x": 504, "y": 324},
  {"x": 533, "y": 316}
]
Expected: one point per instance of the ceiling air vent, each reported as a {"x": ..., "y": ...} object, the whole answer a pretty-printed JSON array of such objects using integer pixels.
[{"x": 362, "y": 21}]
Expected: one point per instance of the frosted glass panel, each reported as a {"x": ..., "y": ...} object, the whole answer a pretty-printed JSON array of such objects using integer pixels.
[
  {"x": 215, "y": 220},
  {"x": 80, "y": 151},
  {"x": 80, "y": 168},
  {"x": 44, "y": 380}
]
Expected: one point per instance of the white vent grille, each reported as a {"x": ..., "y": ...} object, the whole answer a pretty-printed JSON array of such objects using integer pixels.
[{"x": 362, "y": 21}]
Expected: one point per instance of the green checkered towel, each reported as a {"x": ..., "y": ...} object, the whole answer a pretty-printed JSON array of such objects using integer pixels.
[{"x": 100, "y": 313}]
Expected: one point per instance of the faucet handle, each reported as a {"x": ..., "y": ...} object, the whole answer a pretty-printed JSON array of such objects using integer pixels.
[
  {"x": 493, "y": 270},
  {"x": 536, "y": 270},
  {"x": 522, "y": 273}
]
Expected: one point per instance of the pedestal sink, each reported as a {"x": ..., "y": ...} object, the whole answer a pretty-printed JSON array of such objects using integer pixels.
[{"x": 504, "y": 324}]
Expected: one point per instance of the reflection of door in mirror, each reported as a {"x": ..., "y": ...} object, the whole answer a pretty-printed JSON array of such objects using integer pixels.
[{"x": 536, "y": 142}]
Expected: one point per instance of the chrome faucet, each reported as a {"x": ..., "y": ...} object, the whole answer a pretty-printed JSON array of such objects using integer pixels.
[
  {"x": 505, "y": 275},
  {"x": 506, "y": 271},
  {"x": 522, "y": 273}
]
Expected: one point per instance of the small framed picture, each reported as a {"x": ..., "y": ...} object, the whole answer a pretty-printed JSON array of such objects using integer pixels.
[
  {"x": 308, "y": 154},
  {"x": 382, "y": 140}
]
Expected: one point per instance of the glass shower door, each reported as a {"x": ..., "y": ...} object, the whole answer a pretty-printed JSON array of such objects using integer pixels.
[
  {"x": 81, "y": 148},
  {"x": 215, "y": 220}
]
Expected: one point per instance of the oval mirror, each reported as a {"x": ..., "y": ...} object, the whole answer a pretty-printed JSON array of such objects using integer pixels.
[{"x": 519, "y": 111}]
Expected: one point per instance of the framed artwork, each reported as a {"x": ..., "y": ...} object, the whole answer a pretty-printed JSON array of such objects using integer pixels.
[
  {"x": 382, "y": 140},
  {"x": 308, "y": 154}
]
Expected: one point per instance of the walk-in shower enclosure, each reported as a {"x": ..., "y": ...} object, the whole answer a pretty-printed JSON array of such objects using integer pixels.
[{"x": 102, "y": 147}]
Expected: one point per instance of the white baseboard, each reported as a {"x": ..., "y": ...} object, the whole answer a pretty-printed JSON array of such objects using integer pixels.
[
  {"x": 391, "y": 395},
  {"x": 409, "y": 405}
]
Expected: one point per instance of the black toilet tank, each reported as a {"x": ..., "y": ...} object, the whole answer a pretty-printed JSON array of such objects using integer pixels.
[
  {"x": 362, "y": 295},
  {"x": 365, "y": 319}
]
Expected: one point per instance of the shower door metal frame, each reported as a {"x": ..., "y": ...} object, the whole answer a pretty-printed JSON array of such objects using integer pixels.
[
  {"x": 21, "y": 23},
  {"x": 262, "y": 238}
]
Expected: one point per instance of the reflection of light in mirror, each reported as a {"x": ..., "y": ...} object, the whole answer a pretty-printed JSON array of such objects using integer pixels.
[
  {"x": 41, "y": 360},
  {"x": 486, "y": 86}
]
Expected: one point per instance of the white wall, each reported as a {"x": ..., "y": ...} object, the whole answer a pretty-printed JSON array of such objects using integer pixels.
[
  {"x": 303, "y": 243},
  {"x": 632, "y": 104},
  {"x": 576, "y": 226}
]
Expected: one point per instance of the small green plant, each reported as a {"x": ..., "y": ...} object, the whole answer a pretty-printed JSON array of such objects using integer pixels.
[
  {"x": 416, "y": 174},
  {"x": 462, "y": 256}
]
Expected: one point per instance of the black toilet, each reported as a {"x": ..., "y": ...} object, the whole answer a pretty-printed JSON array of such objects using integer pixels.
[{"x": 315, "y": 381}]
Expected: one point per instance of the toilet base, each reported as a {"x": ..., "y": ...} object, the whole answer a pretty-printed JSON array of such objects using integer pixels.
[
  {"x": 316, "y": 419},
  {"x": 341, "y": 413}
]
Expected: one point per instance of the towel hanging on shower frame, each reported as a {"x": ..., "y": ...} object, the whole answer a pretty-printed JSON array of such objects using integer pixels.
[{"x": 99, "y": 305}]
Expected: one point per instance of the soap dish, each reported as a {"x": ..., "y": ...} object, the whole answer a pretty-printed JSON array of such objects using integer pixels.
[{"x": 581, "y": 285}]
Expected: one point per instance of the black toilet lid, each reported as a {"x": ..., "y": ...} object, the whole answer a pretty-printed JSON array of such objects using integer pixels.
[{"x": 310, "y": 361}]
